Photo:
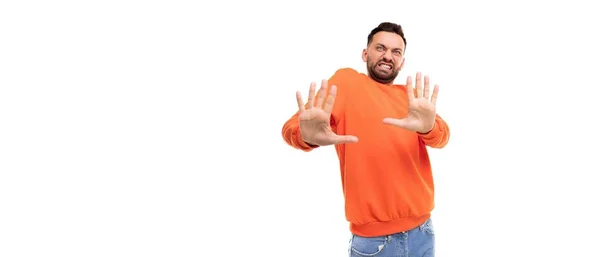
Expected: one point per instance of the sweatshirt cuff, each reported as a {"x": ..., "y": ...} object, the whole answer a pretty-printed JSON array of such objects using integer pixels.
[{"x": 432, "y": 133}]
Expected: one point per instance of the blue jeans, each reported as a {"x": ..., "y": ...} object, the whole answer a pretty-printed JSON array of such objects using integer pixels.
[{"x": 418, "y": 242}]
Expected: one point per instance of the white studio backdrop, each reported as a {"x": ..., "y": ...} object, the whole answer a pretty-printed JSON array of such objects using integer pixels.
[{"x": 147, "y": 128}]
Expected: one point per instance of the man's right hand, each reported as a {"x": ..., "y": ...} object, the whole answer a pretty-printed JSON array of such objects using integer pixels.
[{"x": 314, "y": 118}]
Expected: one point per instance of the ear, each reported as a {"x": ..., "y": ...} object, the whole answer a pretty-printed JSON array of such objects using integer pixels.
[
  {"x": 402, "y": 63},
  {"x": 364, "y": 55}
]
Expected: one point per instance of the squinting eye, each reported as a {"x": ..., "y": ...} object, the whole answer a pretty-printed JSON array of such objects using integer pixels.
[
  {"x": 397, "y": 52},
  {"x": 379, "y": 48}
]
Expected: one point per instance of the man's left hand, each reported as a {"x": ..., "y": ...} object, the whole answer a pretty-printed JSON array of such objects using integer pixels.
[{"x": 421, "y": 108}]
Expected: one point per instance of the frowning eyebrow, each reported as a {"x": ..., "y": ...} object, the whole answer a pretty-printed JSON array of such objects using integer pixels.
[{"x": 393, "y": 49}]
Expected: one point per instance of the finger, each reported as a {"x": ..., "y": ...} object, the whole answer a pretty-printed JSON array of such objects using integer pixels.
[
  {"x": 311, "y": 95},
  {"x": 321, "y": 94},
  {"x": 330, "y": 99},
  {"x": 434, "y": 96},
  {"x": 426, "y": 87},
  {"x": 300, "y": 102},
  {"x": 409, "y": 88},
  {"x": 346, "y": 139},
  {"x": 418, "y": 85}
]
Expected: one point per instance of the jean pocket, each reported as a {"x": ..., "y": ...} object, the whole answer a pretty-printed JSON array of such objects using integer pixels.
[
  {"x": 368, "y": 246},
  {"x": 428, "y": 227}
]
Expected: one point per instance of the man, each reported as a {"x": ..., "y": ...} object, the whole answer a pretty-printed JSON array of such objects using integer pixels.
[{"x": 381, "y": 132}]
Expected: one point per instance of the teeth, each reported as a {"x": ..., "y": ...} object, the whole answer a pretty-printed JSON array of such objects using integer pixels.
[{"x": 389, "y": 67}]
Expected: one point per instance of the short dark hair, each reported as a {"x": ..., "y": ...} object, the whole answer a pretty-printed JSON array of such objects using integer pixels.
[{"x": 387, "y": 27}]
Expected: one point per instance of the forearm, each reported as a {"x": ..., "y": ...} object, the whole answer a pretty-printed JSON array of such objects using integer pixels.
[{"x": 439, "y": 136}]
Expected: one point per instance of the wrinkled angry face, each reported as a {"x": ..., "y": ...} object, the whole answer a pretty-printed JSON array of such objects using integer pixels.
[{"x": 384, "y": 57}]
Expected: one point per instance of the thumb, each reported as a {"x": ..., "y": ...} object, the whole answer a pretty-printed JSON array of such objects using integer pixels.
[
  {"x": 396, "y": 122},
  {"x": 347, "y": 139}
]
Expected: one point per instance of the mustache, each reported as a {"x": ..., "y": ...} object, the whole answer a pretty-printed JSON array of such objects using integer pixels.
[{"x": 385, "y": 62}]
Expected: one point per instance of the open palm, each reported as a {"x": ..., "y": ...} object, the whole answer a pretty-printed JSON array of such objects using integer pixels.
[
  {"x": 421, "y": 108},
  {"x": 314, "y": 118}
]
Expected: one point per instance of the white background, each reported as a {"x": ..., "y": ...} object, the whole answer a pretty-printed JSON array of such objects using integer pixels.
[{"x": 149, "y": 128}]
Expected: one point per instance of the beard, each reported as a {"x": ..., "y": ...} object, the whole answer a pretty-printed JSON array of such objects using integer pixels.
[{"x": 380, "y": 75}]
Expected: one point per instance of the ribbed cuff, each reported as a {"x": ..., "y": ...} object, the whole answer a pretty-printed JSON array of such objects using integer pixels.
[{"x": 432, "y": 133}]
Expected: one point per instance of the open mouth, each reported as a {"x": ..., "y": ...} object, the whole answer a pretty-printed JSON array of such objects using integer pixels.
[{"x": 385, "y": 66}]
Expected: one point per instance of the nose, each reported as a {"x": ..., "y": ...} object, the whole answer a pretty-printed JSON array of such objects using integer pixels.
[{"x": 387, "y": 56}]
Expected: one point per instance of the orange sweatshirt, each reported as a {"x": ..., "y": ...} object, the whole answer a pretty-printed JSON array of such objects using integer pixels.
[{"x": 386, "y": 176}]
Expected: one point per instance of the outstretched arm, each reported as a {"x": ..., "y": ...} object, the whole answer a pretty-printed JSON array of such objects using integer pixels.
[
  {"x": 422, "y": 117},
  {"x": 291, "y": 129}
]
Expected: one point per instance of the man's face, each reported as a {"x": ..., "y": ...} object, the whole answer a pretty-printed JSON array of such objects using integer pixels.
[{"x": 384, "y": 56}]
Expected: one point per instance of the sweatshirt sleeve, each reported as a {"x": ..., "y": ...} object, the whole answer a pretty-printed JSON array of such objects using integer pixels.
[
  {"x": 291, "y": 128},
  {"x": 439, "y": 136}
]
